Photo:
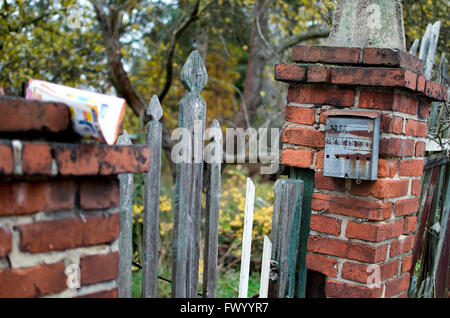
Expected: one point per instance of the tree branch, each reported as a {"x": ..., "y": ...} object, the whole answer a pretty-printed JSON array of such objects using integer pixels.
[{"x": 175, "y": 36}]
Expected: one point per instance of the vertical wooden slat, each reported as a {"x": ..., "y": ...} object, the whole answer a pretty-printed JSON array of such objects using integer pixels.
[
  {"x": 126, "y": 227},
  {"x": 424, "y": 217},
  {"x": 307, "y": 176},
  {"x": 247, "y": 239},
  {"x": 439, "y": 271},
  {"x": 188, "y": 187},
  {"x": 265, "y": 268},
  {"x": 286, "y": 223},
  {"x": 212, "y": 212},
  {"x": 151, "y": 202}
]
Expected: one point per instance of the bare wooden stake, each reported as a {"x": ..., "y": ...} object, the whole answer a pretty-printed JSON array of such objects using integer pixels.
[
  {"x": 126, "y": 226},
  {"x": 188, "y": 187},
  {"x": 265, "y": 268},
  {"x": 151, "y": 202},
  {"x": 247, "y": 239},
  {"x": 212, "y": 212}
]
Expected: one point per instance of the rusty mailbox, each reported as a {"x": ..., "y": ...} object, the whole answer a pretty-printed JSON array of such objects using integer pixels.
[{"x": 352, "y": 144}]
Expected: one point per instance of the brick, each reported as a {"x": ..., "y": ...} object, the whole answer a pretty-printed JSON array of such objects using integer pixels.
[
  {"x": 34, "y": 281},
  {"x": 397, "y": 147},
  {"x": 82, "y": 159},
  {"x": 424, "y": 110},
  {"x": 325, "y": 224},
  {"x": 325, "y": 54},
  {"x": 63, "y": 234},
  {"x": 320, "y": 156},
  {"x": 410, "y": 224},
  {"x": 406, "y": 263},
  {"x": 391, "y": 124},
  {"x": 290, "y": 73},
  {"x": 421, "y": 83},
  {"x": 416, "y": 187},
  {"x": 6, "y": 160},
  {"x": 97, "y": 194},
  {"x": 405, "y": 104},
  {"x": 111, "y": 293},
  {"x": 374, "y": 232},
  {"x": 36, "y": 159},
  {"x": 415, "y": 128},
  {"x": 300, "y": 115},
  {"x": 410, "y": 168},
  {"x": 345, "y": 249},
  {"x": 387, "y": 168},
  {"x": 371, "y": 210},
  {"x": 376, "y": 100},
  {"x": 420, "y": 149},
  {"x": 360, "y": 272},
  {"x": 27, "y": 197},
  {"x": 5, "y": 241},
  {"x": 346, "y": 290},
  {"x": 297, "y": 158},
  {"x": 76, "y": 159},
  {"x": 392, "y": 58},
  {"x": 387, "y": 77},
  {"x": 396, "y": 285},
  {"x": 318, "y": 74},
  {"x": 304, "y": 137},
  {"x": 20, "y": 115},
  {"x": 381, "y": 188},
  {"x": 321, "y": 264},
  {"x": 99, "y": 268},
  {"x": 328, "y": 183},
  {"x": 436, "y": 91},
  {"x": 406, "y": 207},
  {"x": 403, "y": 245},
  {"x": 320, "y": 95}
]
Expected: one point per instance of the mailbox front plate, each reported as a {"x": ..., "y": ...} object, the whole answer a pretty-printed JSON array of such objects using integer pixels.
[{"x": 351, "y": 147}]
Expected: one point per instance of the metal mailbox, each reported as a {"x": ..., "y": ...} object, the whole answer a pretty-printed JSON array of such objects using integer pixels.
[{"x": 352, "y": 144}]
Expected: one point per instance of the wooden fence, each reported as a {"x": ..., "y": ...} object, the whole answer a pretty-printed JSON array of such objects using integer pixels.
[
  {"x": 431, "y": 251},
  {"x": 279, "y": 259}
]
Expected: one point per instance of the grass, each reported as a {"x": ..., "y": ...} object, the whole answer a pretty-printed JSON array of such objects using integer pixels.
[{"x": 227, "y": 285}]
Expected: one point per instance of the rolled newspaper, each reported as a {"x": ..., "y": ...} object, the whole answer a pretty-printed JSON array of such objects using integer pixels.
[{"x": 94, "y": 116}]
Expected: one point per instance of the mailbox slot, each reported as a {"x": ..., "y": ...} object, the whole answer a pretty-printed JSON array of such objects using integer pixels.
[{"x": 352, "y": 144}]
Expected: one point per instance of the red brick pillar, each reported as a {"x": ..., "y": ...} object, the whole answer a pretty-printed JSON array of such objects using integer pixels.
[
  {"x": 356, "y": 225},
  {"x": 58, "y": 204}
]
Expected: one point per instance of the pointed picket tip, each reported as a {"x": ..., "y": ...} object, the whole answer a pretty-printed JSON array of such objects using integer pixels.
[
  {"x": 124, "y": 139},
  {"x": 414, "y": 47},
  {"x": 215, "y": 124},
  {"x": 194, "y": 74},
  {"x": 154, "y": 110}
]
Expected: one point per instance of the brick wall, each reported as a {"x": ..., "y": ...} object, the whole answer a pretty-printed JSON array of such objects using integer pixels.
[
  {"x": 355, "y": 225},
  {"x": 59, "y": 204}
]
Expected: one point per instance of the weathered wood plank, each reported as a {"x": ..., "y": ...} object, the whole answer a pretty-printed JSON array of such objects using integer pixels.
[
  {"x": 212, "y": 212},
  {"x": 424, "y": 217},
  {"x": 247, "y": 239},
  {"x": 151, "y": 202},
  {"x": 288, "y": 198},
  {"x": 126, "y": 227},
  {"x": 265, "y": 268},
  {"x": 307, "y": 176},
  {"x": 189, "y": 181}
]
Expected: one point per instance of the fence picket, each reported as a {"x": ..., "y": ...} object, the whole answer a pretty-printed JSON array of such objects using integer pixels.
[
  {"x": 247, "y": 239},
  {"x": 126, "y": 227},
  {"x": 287, "y": 213},
  {"x": 188, "y": 187},
  {"x": 265, "y": 268},
  {"x": 151, "y": 202},
  {"x": 212, "y": 213}
]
